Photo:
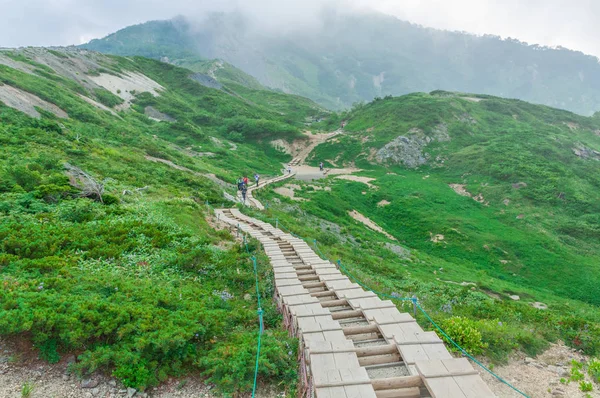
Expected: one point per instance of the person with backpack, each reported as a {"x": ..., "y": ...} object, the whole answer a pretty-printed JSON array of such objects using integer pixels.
[
  {"x": 245, "y": 181},
  {"x": 240, "y": 183},
  {"x": 244, "y": 191},
  {"x": 256, "y": 178},
  {"x": 321, "y": 166}
]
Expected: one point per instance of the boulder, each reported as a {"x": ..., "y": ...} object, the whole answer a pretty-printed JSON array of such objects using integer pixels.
[{"x": 89, "y": 383}]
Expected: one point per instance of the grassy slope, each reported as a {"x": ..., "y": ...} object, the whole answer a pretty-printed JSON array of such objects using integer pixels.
[
  {"x": 508, "y": 142},
  {"x": 549, "y": 255},
  {"x": 141, "y": 285}
]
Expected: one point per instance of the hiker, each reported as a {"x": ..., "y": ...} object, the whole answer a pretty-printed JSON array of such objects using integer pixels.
[
  {"x": 256, "y": 178},
  {"x": 244, "y": 190},
  {"x": 240, "y": 183},
  {"x": 321, "y": 166},
  {"x": 245, "y": 181},
  {"x": 289, "y": 169}
]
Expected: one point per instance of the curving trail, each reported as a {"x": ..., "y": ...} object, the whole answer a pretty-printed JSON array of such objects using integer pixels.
[{"x": 353, "y": 344}]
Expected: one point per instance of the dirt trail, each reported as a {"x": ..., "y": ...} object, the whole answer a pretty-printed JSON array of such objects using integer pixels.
[
  {"x": 305, "y": 172},
  {"x": 314, "y": 141}
]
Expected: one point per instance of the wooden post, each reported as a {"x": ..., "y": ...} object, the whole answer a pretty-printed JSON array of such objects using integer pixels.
[{"x": 414, "y": 301}]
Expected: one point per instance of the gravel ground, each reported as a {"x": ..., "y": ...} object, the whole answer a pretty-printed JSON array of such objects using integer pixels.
[
  {"x": 19, "y": 365},
  {"x": 540, "y": 376}
]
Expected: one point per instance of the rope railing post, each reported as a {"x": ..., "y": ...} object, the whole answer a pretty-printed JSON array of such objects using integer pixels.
[
  {"x": 260, "y": 321},
  {"x": 414, "y": 301}
]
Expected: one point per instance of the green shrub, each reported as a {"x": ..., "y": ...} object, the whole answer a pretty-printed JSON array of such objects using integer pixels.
[
  {"x": 586, "y": 386},
  {"x": 79, "y": 211},
  {"x": 24, "y": 177},
  {"x": 576, "y": 371},
  {"x": 594, "y": 369},
  {"x": 27, "y": 389},
  {"x": 107, "y": 98},
  {"x": 231, "y": 364},
  {"x": 327, "y": 238},
  {"x": 52, "y": 193},
  {"x": 465, "y": 333},
  {"x": 49, "y": 351},
  {"x": 109, "y": 199}
]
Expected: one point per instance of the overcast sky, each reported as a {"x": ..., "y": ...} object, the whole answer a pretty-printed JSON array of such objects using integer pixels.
[{"x": 569, "y": 23}]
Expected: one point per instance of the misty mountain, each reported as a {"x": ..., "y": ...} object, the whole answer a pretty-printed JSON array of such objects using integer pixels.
[{"x": 345, "y": 58}]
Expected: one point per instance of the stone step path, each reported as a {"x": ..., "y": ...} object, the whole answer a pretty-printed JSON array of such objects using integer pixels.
[{"x": 353, "y": 344}]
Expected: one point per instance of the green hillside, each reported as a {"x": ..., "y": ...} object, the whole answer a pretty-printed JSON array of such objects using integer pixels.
[
  {"x": 505, "y": 202},
  {"x": 544, "y": 163},
  {"x": 344, "y": 57},
  {"x": 105, "y": 247}
]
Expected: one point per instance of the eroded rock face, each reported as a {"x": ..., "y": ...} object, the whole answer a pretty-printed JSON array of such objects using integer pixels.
[
  {"x": 586, "y": 153},
  {"x": 409, "y": 149},
  {"x": 156, "y": 115},
  {"x": 404, "y": 150},
  {"x": 206, "y": 81}
]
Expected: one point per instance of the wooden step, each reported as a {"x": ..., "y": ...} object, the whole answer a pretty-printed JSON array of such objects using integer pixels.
[
  {"x": 306, "y": 278},
  {"x": 303, "y": 267},
  {"x": 397, "y": 382},
  {"x": 379, "y": 359},
  {"x": 352, "y": 330},
  {"x": 346, "y": 314},
  {"x": 412, "y": 392},
  {"x": 334, "y": 303},
  {"x": 305, "y": 272},
  {"x": 324, "y": 294},
  {"x": 313, "y": 284},
  {"x": 376, "y": 350}
]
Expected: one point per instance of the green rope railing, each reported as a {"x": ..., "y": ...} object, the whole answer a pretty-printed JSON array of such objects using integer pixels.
[{"x": 259, "y": 311}]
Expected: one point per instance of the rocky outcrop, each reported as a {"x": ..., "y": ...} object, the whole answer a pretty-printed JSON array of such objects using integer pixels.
[
  {"x": 206, "y": 81},
  {"x": 156, "y": 115},
  {"x": 409, "y": 149},
  {"x": 404, "y": 150},
  {"x": 586, "y": 153}
]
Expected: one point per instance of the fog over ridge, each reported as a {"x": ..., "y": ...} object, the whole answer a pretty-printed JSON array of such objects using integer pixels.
[{"x": 570, "y": 24}]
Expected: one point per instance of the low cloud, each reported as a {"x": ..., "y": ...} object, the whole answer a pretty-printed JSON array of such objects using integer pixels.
[{"x": 572, "y": 24}]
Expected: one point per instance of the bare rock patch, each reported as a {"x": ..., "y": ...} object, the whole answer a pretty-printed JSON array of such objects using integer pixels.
[
  {"x": 585, "y": 153},
  {"x": 157, "y": 116},
  {"x": 369, "y": 223},
  {"x": 26, "y": 102}
]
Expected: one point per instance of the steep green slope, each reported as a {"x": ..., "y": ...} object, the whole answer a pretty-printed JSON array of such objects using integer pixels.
[
  {"x": 506, "y": 198},
  {"x": 343, "y": 58},
  {"x": 105, "y": 245},
  {"x": 536, "y": 168}
]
